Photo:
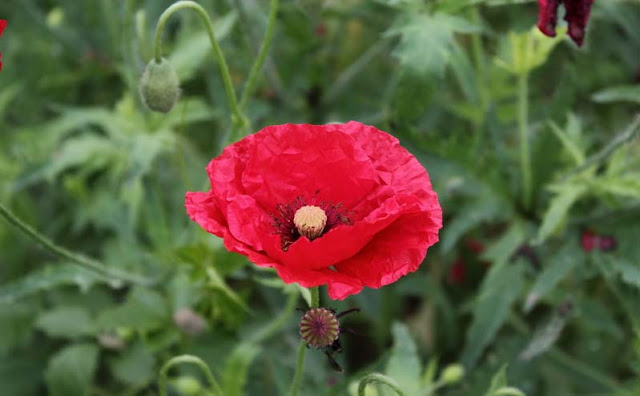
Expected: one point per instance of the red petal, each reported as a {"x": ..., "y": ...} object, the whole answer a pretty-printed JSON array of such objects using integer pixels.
[
  {"x": 3, "y": 24},
  {"x": 577, "y": 16},
  {"x": 548, "y": 16}
]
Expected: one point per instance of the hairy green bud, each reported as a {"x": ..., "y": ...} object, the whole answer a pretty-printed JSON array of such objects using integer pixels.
[
  {"x": 452, "y": 374},
  {"x": 159, "y": 86}
]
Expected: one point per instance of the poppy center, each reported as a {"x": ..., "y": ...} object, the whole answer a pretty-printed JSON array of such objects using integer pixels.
[{"x": 310, "y": 221}]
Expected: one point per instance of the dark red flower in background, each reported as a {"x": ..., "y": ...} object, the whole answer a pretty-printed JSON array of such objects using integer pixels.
[
  {"x": 341, "y": 204},
  {"x": 3, "y": 25},
  {"x": 591, "y": 241},
  {"x": 577, "y": 15}
]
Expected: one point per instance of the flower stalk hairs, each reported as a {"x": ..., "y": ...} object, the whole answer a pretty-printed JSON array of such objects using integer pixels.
[{"x": 3, "y": 25}]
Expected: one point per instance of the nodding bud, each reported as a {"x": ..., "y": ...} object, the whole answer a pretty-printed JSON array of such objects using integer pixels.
[{"x": 159, "y": 86}]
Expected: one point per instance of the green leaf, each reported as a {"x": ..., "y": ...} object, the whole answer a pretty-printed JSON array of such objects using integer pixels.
[
  {"x": 502, "y": 250},
  {"x": 48, "y": 278},
  {"x": 192, "y": 50},
  {"x": 499, "y": 380},
  {"x": 65, "y": 322},
  {"x": 134, "y": 366},
  {"x": 545, "y": 337},
  {"x": 404, "y": 364},
  {"x": 623, "y": 93},
  {"x": 558, "y": 209},
  {"x": 569, "y": 143},
  {"x": 70, "y": 371},
  {"x": 499, "y": 290},
  {"x": 557, "y": 267},
  {"x": 143, "y": 310},
  {"x": 427, "y": 41},
  {"x": 508, "y": 391},
  {"x": 236, "y": 370},
  {"x": 15, "y": 325},
  {"x": 630, "y": 273}
]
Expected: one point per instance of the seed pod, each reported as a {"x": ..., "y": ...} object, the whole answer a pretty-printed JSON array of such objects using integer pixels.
[{"x": 159, "y": 86}]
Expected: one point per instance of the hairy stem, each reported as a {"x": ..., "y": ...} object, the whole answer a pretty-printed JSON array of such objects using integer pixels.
[
  {"x": 239, "y": 120},
  {"x": 294, "y": 389},
  {"x": 83, "y": 261},
  {"x": 377, "y": 378},
  {"x": 188, "y": 359}
]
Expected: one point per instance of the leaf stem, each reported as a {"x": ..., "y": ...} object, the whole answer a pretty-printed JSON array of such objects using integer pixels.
[
  {"x": 238, "y": 119},
  {"x": 377, "y": 378},
  {"x": 523, "y": 121},
  {"x": 78, "y": 259},
  {"x": 294, "y": 389},
  {"x": 262, "y": 55},
  {"x": 187, "y": 359}
]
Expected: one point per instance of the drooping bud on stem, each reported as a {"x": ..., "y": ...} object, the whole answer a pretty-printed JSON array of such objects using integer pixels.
[
  {"x": 310, "y": 221},
  {"x": 159, "y": 86}
]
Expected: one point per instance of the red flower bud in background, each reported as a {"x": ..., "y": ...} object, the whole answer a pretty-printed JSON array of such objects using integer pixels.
[
  {"x": 458, "y": 272},
  {"x": 342, "y": 205},
  {"x": 3, "y": 24},
  {"x": 590, "y": 241},
  {"x": 577, "y": 15}
]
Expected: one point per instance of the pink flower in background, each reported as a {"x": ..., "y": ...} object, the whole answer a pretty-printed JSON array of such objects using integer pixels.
[{"x": 577, "y": 15}]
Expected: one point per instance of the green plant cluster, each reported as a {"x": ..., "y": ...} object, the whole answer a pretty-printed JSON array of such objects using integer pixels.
[{"x": 531, "y": 143}]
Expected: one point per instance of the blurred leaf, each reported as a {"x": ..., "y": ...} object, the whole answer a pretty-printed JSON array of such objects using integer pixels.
[
  {"x": 624, "y": 93},
  {"x": 630, "y": 273},
  {"x": 556, "y": 268},
  {"x": 558, "y": 209},
  {"x": 66, "y": 322},
  {"x": 15, "y": 325},
  {"x": 569, "y": 141},
  {"x": 501, "y": 251},
  {"x": 134, "y": 366},
  {"x": 144, "y": 310},
  {"x": 427, "y": 41},
  {"x": 508, "y": 391},
  {"x": 404, "y": 364},
  {"x": 20, "y": 375},
  {"x": 48, "y": 278},
  {"x": 236, "y": 370},
  {"x": 70, "y": 371},
  {"x": 499, "y": 380},
  {"x": 499, "y": 290},
  {"x": 192, "y": 50},
  {"x": 545, "y": 337},
  {"x": 523, "y": 52}
]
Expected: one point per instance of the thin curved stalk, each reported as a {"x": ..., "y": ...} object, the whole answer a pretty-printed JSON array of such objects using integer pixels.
[
  {"x": 188, "y": 359},
  {"x": 81, "y": 260}
]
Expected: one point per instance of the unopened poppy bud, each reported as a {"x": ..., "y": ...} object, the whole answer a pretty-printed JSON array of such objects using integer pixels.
[
  {"x": 187, "y": 386},
  {"x": 159, "y": 86},
  {"x": 319, "y": 327},
  {"x": 310, "y": 221},
  {"x": 452, "y": 374}
]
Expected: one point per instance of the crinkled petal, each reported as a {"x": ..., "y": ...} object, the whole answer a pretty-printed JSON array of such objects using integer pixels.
[
  {"x": 548, "y": 16},
  {"x": 577, "y": 16}
]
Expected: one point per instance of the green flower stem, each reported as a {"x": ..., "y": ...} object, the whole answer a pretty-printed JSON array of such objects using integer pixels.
[
  {"x": 294, "y": 389},
  {"x": 83, "y": 261},
  {"x": 239, "y": 120},
  {"x": 188, "y": 359},
  {"x": 377, "y": 378},
  {"x": 523, "y": 121},
  {"x": 252, "y": 80}
]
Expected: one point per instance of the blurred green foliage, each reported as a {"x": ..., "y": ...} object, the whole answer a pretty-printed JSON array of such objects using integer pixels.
[{"x": 87, "y": 165}]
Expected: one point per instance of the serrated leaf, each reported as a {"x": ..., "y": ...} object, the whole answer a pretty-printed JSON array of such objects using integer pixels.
[
  {"x": 65, "y": 322},
  {"x": 499, "y": 290},
  {"x": 70, "y": 371},
  {"x": 623, "y": 93},
  {"x": 556, "y": 268},
  {"x": 427, "y": 41},
  {"x": 558, "y": 209},
  {"x": 569, "y": 143},
  {"x": 404, "y": 364},
  {"x": 236, "y": 370}
]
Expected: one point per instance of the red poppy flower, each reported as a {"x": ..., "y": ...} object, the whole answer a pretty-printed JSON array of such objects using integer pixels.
[
  {"x": 341, "y": 204},
  {"x": 577, "y": 15},
  {"x": 3, "y": 24}
]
